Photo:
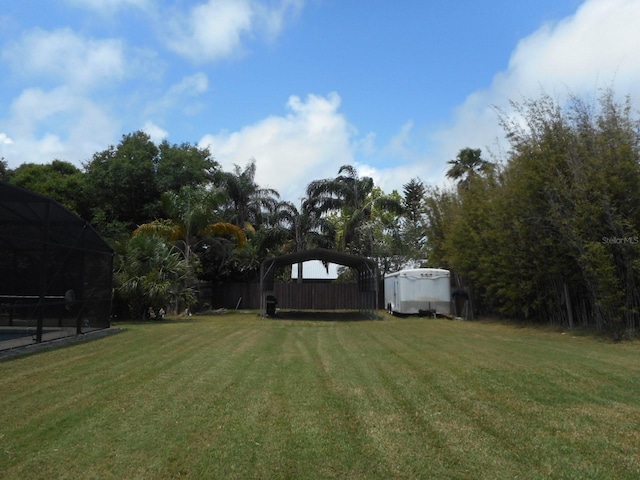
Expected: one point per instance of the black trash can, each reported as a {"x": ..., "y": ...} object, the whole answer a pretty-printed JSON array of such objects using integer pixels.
[{"x": 271, "y": 305}]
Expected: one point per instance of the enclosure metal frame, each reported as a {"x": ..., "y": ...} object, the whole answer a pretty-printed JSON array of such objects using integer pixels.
[{"x": 62, "y": 254}]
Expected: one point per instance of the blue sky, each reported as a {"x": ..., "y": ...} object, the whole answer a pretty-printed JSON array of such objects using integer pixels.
[{"x": 301, "y": 86}]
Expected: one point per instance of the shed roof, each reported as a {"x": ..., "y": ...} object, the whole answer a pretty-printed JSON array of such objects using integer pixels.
[{"x": 363, "y": 265}]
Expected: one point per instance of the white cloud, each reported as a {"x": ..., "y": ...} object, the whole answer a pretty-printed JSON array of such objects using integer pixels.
[
  {"x": 66, "y": 57},
  {"x": 211, "y": 31},
  {"x": 69, "y": 115},
  {"x": 45, "y": 125},
  {"x": 393, "y": 178},
  {"x": 366, "y": 145},
  {"x": 192, "y": 85},
  {"x": 312, "y": 141},
  {"x": 217, "y": 29},
  {"x": 593, "y": 49},
  {"x": 185, "y": 94},
  {"x": 5, "y": 139},
  {"x": 271, "y": 19},
  {"x": 64, "y": 118},
  {"x": 154, "y": 131},
  {"x": 600, "y": 40},
  {"x": 398, "y": 146},
  {"x": 182, "y": 96}
]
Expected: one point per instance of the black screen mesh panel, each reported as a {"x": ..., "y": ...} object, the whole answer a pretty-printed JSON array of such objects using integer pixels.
[{"x": 56, "y": 272}]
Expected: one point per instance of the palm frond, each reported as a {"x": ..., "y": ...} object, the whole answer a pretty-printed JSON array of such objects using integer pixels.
[
  {"x": 166, "y": 229},
  {"x": 227, "y": 230}
]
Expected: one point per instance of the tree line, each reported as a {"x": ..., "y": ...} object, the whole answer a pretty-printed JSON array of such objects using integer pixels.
[
  {"x": 176, "y": 219},
  {"x": 551, "y": 234},
  {"x": 548, "y": 232}
]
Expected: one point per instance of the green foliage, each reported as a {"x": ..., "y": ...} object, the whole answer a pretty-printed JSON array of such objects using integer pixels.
[
  {"x": 59, "y": 180},
  {"x": 193, "y": 228},
  {"x": 440, "y": 210},
  {"x": 246, "y": 200},
  {"x": 410, "y": 238},
  {"x": 149, "y": 273},
  {"x": 4, "y": 170},
  {"x": 413, "y": 201},
  {"x": 386, "y": 228},
  {"x": 122, "y": 182},
  {"x": 601, "y": 278},
  {"x": 552, "y": 234},
  {"x": 354, "y": 199},
  {"x": 468, "y": 165},
  {"x": 125, "y": 183},
  {"x": 184, "y": 165},
  {"x": 249, "y": 207},
  {"x": 297, "y": 229}
]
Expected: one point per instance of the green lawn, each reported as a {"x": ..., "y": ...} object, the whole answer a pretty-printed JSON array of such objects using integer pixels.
[{"x": 237, "y": 396}]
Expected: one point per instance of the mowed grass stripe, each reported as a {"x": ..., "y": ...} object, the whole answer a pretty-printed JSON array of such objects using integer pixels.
[
  {"x": 129, "y": 387},
  {"x": 236, "y": 396},
  {"x": 421, "y": 419},
  {"x": 297, "y": 422},
  {"x": 517, "y": 394}
]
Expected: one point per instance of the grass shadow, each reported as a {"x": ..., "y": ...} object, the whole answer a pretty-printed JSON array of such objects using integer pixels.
[
  {"x": 58, "y": 343},
  {"x": 324, "y": 315}
]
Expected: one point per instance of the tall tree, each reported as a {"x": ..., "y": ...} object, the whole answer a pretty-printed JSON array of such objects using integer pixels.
[
  {"x": 184, "y": 165},
  {"x": 191, "y": 218},
  {"x": 386, "y": 226},
  {"x": 60, "y": 180},
  {"x": 122, "y": 183},
  {"x": 441, "y": 206},
  {"x": 193, "y": 229},
  {"x": 4, "y": 170},
  {"x": 413, "y": 224},
  {"x": 351, "y": 196},
  {"x": 467, "y": 165},
  {"x": 298, "y": 229},
  {"x": 553, "y": 235},
  {"x": 247, "y": 200}
]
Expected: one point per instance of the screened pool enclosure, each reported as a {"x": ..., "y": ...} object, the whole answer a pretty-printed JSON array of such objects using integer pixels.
[{"x": 55, "y": 271}]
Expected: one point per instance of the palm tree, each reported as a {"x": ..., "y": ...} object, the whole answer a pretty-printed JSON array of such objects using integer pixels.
[
  {"x": 467, "y": 165},
  {"x": 149, "y": 274},
  {"x": 191, "y": 213},
  {"x": 353, "y": 198},
  {"x": 298, "y": 229},
  {"x": 247, "y": 199}
]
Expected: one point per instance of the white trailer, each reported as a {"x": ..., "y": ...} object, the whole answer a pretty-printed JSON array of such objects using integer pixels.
[{"x": 418, "y": 290}]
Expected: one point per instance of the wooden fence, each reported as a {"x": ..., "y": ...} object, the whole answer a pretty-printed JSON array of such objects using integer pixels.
[{"x": 305, "y": 296}]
